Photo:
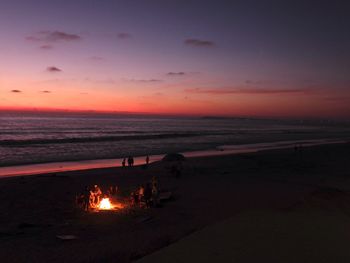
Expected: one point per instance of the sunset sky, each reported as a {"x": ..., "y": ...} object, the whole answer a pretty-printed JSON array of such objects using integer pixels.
[{"x": 231, "y": 58}]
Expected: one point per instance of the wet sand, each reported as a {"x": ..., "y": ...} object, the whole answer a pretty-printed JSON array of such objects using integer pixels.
[
  {"x": 312, "y": 184},
  {"x": 55, "y": 167}
]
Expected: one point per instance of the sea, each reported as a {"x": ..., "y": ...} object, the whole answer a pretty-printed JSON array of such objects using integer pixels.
[{"x": 33, "y": 138}]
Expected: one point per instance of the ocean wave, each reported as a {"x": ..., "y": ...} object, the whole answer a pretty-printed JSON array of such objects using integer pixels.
[{"x": 96, "y": 139}]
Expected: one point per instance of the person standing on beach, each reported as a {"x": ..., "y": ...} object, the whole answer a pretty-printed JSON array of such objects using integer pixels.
[
  {"x": 148, "y": 195},
  {"x": 97, "y": 194},
  {"x": 155, "y": 191},
  {"x": 129, "y": 161},
  {"x": 147, "y": 160},
  {"x": 87, "y": 198},
  {"x": 141, "y": 194},
  {"x": 133, "y": 199},
  {"x": 123, "y": 162},
  {"x": 154, "y": 182}
]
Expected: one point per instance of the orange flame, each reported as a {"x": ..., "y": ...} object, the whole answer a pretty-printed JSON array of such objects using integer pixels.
[{"x": 105, "y": 204}]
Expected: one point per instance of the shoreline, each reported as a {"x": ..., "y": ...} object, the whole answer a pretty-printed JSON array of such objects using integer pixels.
[{"x": 56, "y": 167}]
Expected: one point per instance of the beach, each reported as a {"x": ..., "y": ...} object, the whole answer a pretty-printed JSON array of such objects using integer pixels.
[
  {"x": 310, "y": 184},
  {"x": 174, "y": 131}
]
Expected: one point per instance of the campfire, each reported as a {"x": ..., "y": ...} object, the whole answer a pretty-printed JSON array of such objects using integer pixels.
[
  {"x": 107, "y": 204},
  {"x": 92, "y": 199}
]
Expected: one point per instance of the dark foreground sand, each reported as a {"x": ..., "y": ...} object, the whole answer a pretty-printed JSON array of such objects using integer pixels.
[{"x": 276, "y": 206}]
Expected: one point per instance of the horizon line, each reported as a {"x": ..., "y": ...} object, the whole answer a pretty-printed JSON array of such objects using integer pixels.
[{"x": 150, "y": 114}]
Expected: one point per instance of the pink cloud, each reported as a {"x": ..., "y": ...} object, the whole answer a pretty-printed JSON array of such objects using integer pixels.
[{"x": 224, "y": 91}]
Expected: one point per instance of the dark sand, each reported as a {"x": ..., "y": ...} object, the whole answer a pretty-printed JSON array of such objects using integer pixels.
[{"x": 312, "y": 186}]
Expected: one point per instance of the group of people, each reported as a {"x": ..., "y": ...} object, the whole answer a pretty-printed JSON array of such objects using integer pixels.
[
  {"x": 146, "y": 195},
  {"x": 91, "y": 197},
  {"x": 130, "y": 161}
]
